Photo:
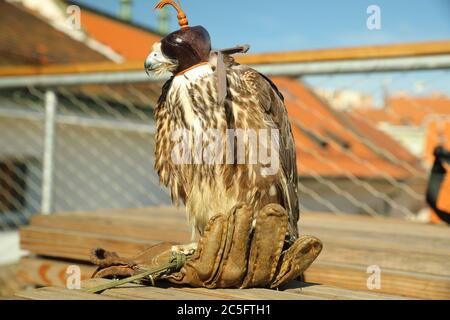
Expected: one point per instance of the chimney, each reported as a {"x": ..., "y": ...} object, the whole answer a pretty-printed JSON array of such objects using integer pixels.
[{"x": 125, "y": 10}]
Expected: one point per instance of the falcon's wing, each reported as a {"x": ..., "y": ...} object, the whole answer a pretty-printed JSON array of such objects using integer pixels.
[{"x": 270, "y": 103}]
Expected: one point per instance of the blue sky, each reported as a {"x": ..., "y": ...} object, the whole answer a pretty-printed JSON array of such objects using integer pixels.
[
  {"x": 271, "y": 25},
  {"x": 279, "y": 25}
]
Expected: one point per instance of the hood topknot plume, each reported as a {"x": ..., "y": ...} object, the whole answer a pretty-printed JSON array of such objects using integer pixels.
[{"x": 182, "y": 19}]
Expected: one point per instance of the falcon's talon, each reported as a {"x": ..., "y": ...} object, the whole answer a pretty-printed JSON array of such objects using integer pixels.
[{"x": 187, "y": 249}]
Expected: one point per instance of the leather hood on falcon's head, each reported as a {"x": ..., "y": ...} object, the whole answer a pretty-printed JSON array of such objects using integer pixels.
[{"x": 189, "y": 45}]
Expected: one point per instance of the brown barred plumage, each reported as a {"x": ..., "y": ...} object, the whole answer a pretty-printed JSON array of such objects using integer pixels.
[{"x": 189, "y": 101}]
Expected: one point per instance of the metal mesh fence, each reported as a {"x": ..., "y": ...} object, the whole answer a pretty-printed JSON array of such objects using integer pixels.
[
  {"x": 402, "y": 106},
  {"x": 103, "y": 151},
  {"x": 352, "y": 160}
]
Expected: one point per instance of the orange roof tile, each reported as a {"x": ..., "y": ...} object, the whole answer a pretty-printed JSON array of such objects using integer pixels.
[
  {"x": 330, "y": 143},
  {"x": 416, "y": 110},
  {"x": 26, "y": 39},
  {"x": 131, "y": 41},
  {"x": 381, "y": 140}
]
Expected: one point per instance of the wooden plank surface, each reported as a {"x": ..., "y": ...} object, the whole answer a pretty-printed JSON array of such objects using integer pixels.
[
  {"x": 40, "y": 271},
  {"x": 414, "y": 258},
  {"x": 409, "y": 284},
  {"x": 53, "y": 293},
  {"x": 167, "y": 291},
  {"x": 173, "y": 292},
  {"x": 336, "y": 293},
  {"x": 9, "y": 281},
  {"x": 50, "y": 272},
  {"x": 75, "y": 244},
  {"x": 341, "y": 280},
  {"x": 134, "y": 291}
]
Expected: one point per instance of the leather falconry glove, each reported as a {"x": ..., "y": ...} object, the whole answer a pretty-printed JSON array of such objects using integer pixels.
[
  {"x": 235, "y": 252},
  {"x": 111, "y": 266}
]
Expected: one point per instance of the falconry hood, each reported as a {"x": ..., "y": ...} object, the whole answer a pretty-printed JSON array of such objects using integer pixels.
[{"x": 190, "y": 46}]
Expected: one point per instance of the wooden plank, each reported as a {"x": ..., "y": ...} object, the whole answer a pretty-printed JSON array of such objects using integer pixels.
[
  {"x": 296, "y": 291},
  {"x": 51, "y": 293},
  {"x": 373, "y": 224},
  {"x": 366, "y": 253},
  {"x": 76, "y": 245},
  {"x": 135, "y": 291},
  {"x": 355, "y": 53},
  {"x": 138, "y": 292},
  {"x": 9, "y": 281},
  {"x": 404, "y": 242},
  {"x": 408, "y": 284},
  {"x": 50, "y": 272},
  {"x": 251, "y": 294},
  {"x": 142, "y": 215},
  {"x": 171, "y": 291},
  {"x": 40, "y": 271},
  {"x": 43, "y": 271},
  {"x": 132, "y": 225},
  {"x": 336, "y": 293}
]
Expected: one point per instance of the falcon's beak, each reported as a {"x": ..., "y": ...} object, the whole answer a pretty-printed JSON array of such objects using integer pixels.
[
  {"x": 149, "y": 65},
  {"x": 152, "y": 63},
  {"x": 157, "y": 63}
]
